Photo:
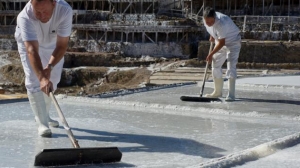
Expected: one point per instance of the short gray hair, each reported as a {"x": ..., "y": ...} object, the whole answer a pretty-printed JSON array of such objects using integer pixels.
[{"x": 209, "y": 12}]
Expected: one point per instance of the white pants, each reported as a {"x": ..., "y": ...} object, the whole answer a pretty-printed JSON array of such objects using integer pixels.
[
  {"x": 32, "y": 83},
  {"x": 231, "y": 53}
]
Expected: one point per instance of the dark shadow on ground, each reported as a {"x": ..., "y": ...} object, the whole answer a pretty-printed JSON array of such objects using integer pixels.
[
  {"x": 149, "y": 143},
  {"x": 293, "y": 102},
  {"x": 13, "y": 100},
  {"x": 111, "y": 165},
  {"x": 43, "y": 143}
]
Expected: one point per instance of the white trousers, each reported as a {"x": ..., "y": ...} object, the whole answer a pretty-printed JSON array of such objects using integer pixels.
[
  {"x": 32, "y": 83},
  {"x": 231, "y": 53}
]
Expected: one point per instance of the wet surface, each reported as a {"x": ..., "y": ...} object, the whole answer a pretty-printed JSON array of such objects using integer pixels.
[{"x": 154, "y": 129}]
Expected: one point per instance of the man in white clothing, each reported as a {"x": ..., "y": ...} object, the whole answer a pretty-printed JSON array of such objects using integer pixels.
[
  {"x": 42, "y": 34},
  {"x": 226, "y": 36}
]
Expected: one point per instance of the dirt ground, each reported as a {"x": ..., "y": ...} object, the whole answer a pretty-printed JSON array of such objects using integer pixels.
[
  {"x": 127, "y": 79},
  {"x": 95, "y": 73},
  {"x": 83, "y": 80}
]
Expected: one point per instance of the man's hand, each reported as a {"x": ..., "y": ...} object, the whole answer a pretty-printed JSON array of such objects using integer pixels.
[
  {"x": 211, "y": 39},
  {"x": 209, "y": 58},
  {"x": 46, "y": 86},
  {"x": 47, "y": 71},
  {"x": 219, "y": 45}
]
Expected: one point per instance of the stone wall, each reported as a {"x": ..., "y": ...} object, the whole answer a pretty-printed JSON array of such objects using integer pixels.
[
  {"x": 276, "y": 35},
  {"x": 262, "y": 51},
  {"x": 168, "y": 50},
  {"x": 8, "y": 44}
]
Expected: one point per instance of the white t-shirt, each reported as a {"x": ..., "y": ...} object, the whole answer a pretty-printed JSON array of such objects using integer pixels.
[
  {"x": 30, "y": 29},
  {"x": 224, "y": 27}
]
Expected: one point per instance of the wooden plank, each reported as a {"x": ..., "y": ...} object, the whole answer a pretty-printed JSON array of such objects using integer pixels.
[
  {"x": 185, "y": 78},
  {"x": 194, "y": 73},
  {"x": 177, "y": 74},
  {"x": 161, "y": 82},
  {"x": 13, "y": 96}
]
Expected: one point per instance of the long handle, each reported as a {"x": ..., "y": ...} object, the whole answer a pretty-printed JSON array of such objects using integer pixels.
[
  {"x": 64, "y": 121},
  {"x": 205, "y": 72}
]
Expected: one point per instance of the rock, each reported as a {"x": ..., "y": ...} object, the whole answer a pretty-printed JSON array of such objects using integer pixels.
[
  {"x": 2, "y": 91},
  {"x": 265, "y": 72}
]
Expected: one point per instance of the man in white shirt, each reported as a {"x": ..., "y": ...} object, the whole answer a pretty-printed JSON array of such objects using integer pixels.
[
  {"x": 226, "y": 36},
  {"x": 42, "y": 34}
]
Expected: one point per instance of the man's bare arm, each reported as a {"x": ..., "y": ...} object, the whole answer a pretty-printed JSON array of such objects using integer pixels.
[
  {"x": 219, "y": 45},
  {"x": 60, "y": 50},
  {"x": 211, "y": 39},
  {"x": 32, "y": 48}
]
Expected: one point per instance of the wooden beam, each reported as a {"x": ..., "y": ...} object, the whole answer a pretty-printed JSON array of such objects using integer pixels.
[
  {"x": 149, "y": 38},
  {"x": 12, "y": 96}
]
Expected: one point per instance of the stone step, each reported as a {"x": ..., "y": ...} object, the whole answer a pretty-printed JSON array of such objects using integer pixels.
[
  {"x": 171, "y": 77},
  {"x": 187, "y": 74},
  {"x": 12, "y": 96},
  {"x": 165, "y": 82},
  {"x": 191, "y": 70},
  {"x": 203, "y": 70},
  {"x": 177, "y": 74},
  {"x": 184, "y": 72},
  {"x": 196, "y": 75}
]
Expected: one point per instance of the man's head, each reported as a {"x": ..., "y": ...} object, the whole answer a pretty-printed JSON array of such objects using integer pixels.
[
  {"x": 43, "y": 9},
  {"x": 209, "y": 15}
]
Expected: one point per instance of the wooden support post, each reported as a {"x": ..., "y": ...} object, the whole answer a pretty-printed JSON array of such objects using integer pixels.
[
  {"x": 86, "y": 35},
  {"x": 244, "y": 26},
  {"x": 153, "y": 8},
  {"x": 227, "y": 7},
  {"x": 121, "y": 36},
  {"x": 203, "y": 5},
  {"x": 271, "y": 24},
  {"x": 281, "y": 7},
  {"x": 114, "y": 35},
  {"x": 143, "y": 37},
  {"x": 182, "y": 7},
  {"x": 177, "y": 37},
  {"x": 85, "y": 5},
  {"x": 121, "y": 4},
  {"x": 132, "y": 37},
  {"x": 289, "y": 8},
  {"x": 156, "y": 37},
  {"x": 103, "y": 4},
  {"x": 272, "y": 8},
  {"x": 187, "y": 37},
  {"x": 149, "y": 38},
  {"x": 167, "y": 38},
  {"x": 97, "y": 35},
  {"x": 105, "y": 37},
  {"x": 76, "y": 18},
  {"x": 109, "y": 6},
  {"x": 235, "y": 7},
  {"x": 253, "y": 8},
  {"x": 142, "y": 4},
  {"x": 191, "y": 8},
  {"x": 126, "y": 36}
]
